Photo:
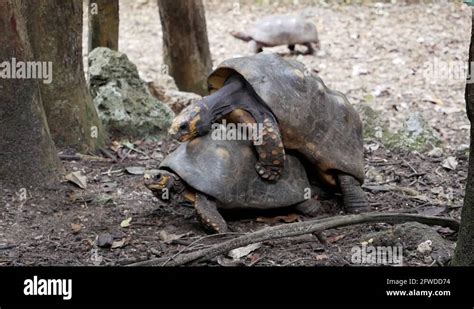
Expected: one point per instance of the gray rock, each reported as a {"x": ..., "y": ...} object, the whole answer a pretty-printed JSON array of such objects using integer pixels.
[
  {"x": 105, "y": 240},
  {"x": 122, "y": 98},
  {"x": 416, "y": 133},
  {"x": 413, "y": 235}
]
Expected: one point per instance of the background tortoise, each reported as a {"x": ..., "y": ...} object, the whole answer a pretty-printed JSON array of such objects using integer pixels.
[
  {"x": 277, "y": 30},
  {"x": 297, "y": 111},
  {"x": 213, "y": 174}
]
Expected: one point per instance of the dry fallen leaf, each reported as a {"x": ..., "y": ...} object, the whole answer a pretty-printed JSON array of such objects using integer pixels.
[
  {"x": 115, "y": 146},
  {"x": 76, "y": 228},
  {"x": 450, "y": 163},
  {"x": 334, "y": 238},
  {"x": 434, "y": 100},
  {"x": 225, "y": 262},
  {"x": 78, "y": 179},
  {"x": 168, "y": 237},
  {"x": 321, "y": 257},
  {"x": 243, "y": 251},
  {"x": 287, "y": 219},
  {"x": 135, "y": 170},
  {"x": 126, "y": 222},
  {"x": 119, "y": 243}
]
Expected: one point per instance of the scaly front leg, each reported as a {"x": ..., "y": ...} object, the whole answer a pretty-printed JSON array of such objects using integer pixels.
[
  {"x": 271, "y": 153},
  {"x": 267, "y": 141}
]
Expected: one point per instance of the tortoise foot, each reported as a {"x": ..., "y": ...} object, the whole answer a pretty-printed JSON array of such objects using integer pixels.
[
  {"x": 354, "y": 198},
  {"x": 209, "y": 216}
]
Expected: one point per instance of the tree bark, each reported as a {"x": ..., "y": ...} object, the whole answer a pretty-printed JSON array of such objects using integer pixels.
[
  {"x": 464, "y": 253},
  {"x": 55, "y": 29},
  {"x": 103, "y": 24},
  {"x": 185, "y": 43},
  {"x": 27, "y": 153}
]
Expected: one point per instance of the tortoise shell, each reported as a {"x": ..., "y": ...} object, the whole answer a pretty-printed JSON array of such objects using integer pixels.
[
  {"x": 318, "y": 122},
  {"x": 283, "y": 29},
  {"x": 225, "y": 170}
]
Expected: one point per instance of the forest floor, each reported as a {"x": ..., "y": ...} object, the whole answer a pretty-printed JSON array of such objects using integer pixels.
[{"x": 374, "y": 54}]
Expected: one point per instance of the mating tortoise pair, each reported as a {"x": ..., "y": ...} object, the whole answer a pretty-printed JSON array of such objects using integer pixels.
[{"x": 297, "y": 112}]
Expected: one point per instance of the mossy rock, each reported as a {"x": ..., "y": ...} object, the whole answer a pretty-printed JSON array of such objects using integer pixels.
[
  {"x": 416, "y": 133},
  {"x": 122, "y": 99}
]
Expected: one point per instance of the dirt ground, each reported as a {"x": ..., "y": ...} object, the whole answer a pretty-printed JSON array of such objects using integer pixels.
[{"x": 375, "y": 54}]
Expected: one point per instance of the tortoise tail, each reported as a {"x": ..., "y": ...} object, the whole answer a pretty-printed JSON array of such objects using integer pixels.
[{"x": 354, "y": 198}]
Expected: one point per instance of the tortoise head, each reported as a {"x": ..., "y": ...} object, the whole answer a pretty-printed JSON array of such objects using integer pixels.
[
  {"x": 191, "y": 122},
  {"x": 167, "y": 186},
  {"x": 157, "y": 184}
]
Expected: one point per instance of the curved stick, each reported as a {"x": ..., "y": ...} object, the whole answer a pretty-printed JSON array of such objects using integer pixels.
[{"x": 296, "y": 229}]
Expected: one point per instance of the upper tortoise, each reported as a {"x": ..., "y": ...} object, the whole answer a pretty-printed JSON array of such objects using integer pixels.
[
  {"x": 296, "y": 110},
  {"x": 277, "y": 30}
]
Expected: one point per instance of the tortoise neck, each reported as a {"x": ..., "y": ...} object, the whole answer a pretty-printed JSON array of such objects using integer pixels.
[{"x": 233, "y": 95}]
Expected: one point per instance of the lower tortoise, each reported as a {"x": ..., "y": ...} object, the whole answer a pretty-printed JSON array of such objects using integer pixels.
[{"x": 212, "y": 174}]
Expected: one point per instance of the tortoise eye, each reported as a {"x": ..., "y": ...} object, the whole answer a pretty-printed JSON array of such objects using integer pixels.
[{"x": 183, "y": 126}]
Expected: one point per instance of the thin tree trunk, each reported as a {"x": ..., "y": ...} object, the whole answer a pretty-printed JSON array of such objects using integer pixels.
[
  {"x": 464, "y": 253},
  {"x": 185, "y": 43},
  {"x": 27, "y": 153},
  {"x": 103, "y": 24},
  {"x": 55, "y": 29}
]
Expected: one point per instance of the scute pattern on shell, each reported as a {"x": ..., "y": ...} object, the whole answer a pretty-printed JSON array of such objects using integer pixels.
[{"x": 225, "y": 170}]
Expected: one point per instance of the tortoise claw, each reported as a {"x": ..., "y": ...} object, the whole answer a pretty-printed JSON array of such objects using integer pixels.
[{"x": 267, "y": 172}]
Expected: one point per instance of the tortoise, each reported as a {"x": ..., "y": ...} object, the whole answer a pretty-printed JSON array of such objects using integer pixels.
[
  {"x": 296, "y": 111},
  {"x": 219, "y": 174},
  {"x": 277, "y": 30}
]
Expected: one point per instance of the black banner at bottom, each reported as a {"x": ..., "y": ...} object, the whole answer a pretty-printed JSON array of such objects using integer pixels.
[{"x": 65, "y": 286}]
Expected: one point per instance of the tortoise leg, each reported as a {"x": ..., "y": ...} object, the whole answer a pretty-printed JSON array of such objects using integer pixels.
[
  {"x": 309, "y": 207},
  {"x": 270, "y": 150},
  {"x": 255, "y": 47},
  {"x": 310, "y": 49},
  {"x": 354, "y": 198},
  {"x": 267, "y": 142},
  {"x": 206, "y": 210}
]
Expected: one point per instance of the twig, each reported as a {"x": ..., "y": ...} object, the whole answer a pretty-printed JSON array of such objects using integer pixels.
[
  {"x": 384, "y": 163},
  {"x": 380, "y": 183},
  {"x": 415, "y": 175},
  {"x": 296, "y": 229},
  {"x": 256, "y": 261},
  {"x": 294, "y": 261},
  {"x": 108, "y": 154},
  {"x": 78, "y": 157},
  {"x": 126, "y": 155},
  {"x": 191, "y": 244},
  {"x": 410, "y": 166},
  {"x": 6, "y": 247}
]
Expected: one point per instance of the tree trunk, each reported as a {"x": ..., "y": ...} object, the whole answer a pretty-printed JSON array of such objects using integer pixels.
[
  {"x": 55, "y": 29},
  {"x": 464, "y": 253},
  {"x": 103, "y": 24},
  {"x": 27, "y": 153},
  {"x": 185, "y": 44}
]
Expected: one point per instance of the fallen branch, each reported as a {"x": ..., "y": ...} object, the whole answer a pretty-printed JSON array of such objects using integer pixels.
[{"x": 296, "y": 229}]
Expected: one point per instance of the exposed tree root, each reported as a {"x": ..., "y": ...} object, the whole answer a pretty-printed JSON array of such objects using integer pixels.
[{"x": 295, "y": 229}]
